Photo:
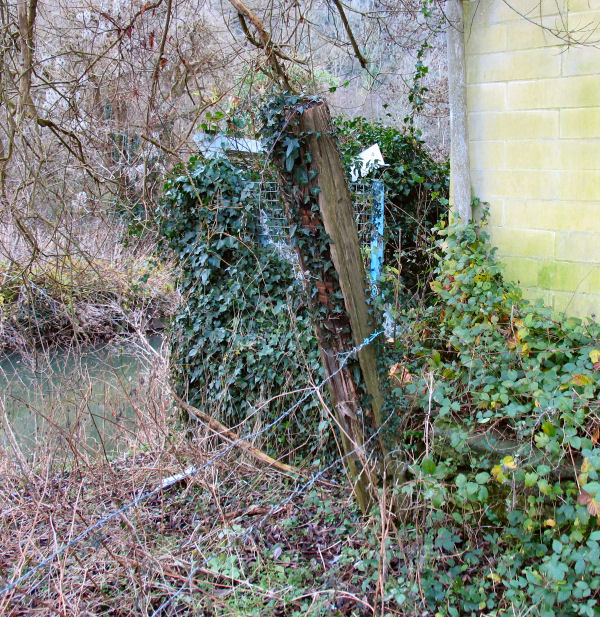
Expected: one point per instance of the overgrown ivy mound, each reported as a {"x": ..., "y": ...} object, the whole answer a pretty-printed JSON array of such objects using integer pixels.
[
  {"x": 243, "y": 345},
  {"x": 243, "y": 334},
  {"x": 508, "y": 483}
]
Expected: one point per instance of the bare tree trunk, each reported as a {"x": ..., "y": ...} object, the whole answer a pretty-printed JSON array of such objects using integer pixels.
[
  {"x": 460, "y": 172},
  {"x": 26, "y": 14}
]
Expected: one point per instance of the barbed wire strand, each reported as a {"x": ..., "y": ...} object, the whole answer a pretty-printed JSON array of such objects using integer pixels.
[
  {"x": 190, "y": 472},
  {"x": 273, "y": 510}
]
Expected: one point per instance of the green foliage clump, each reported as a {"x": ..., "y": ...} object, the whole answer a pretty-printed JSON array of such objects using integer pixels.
[
  {"x": 241, "y": 335},
  {"x": 509, "y": 480},
  {"x": 416, "y": 191}
]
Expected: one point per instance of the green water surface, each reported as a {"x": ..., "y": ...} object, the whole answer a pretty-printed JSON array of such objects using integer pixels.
[{"x": 70, "y": 402}]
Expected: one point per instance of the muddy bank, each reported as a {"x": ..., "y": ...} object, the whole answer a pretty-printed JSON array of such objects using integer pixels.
[{"x": 81, "y": 303}]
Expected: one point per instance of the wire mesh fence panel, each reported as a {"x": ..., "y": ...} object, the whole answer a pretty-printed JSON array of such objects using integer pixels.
[
  {"x": 367, "y": 197},
  {"x": 363, "y": 198},
  {"x": 274, "y": 225},
  {"x": 274, "y": 228}
]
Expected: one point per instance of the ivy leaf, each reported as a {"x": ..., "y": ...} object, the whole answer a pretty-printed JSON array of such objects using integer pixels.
[
  {"x": 555, "y": 569},
  {"x": 531, "y": 479},
  {"x": 594, "y": 507},
  {"x": 494, "y": 577},
  {"x": 593, "y": 488},
  {"x": 292, "y": 144},
  {"x": 509, "y": 462},
  {"x": 522, "y": 333},
  {"x": 399, "y": 372},
  {"x": 544, "y": 487},
  {"x": 498, "y": 474},
  {"x": 586, "y": 499},
  {"x": 595, "y": 355}
]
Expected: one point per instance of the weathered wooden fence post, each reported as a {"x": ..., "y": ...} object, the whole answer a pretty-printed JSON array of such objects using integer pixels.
[
  {"x": 329, "y": 253},
  {"x": 339, "y": 220}
]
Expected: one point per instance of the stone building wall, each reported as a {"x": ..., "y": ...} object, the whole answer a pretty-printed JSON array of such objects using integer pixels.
[{"x": 534, "y": 131}]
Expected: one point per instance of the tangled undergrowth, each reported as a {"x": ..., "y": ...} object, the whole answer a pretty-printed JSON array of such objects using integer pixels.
[
  {"x": 82, "y": 300},
  {"x": 498, "y": 514},
  {"x": 505, "y": 453},
  {"x": 232, "y": 540}
]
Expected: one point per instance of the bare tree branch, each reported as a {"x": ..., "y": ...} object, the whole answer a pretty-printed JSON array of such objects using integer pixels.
[
  {"x": 265, "y": 41},
  {"x": 359, "y": 56},
  {"x": 27, "y": 11}
]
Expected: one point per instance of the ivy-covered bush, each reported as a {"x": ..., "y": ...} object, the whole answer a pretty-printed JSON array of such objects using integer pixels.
[
  {"x": 242, "y": 337},
  {"x": 504, "y": 397},
  {"x": 416, "y": 192}
]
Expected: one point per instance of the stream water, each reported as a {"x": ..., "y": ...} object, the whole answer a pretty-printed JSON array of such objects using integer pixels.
[{"x": 76, "y": 400}]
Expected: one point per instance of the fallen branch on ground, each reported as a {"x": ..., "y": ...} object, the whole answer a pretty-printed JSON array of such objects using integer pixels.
[{"x": 227, "y": 434}]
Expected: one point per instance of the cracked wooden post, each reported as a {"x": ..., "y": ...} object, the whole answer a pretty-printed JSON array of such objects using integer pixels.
[
  {"x": 339, "y": 220},
  {"x": 339, "y": 329}
]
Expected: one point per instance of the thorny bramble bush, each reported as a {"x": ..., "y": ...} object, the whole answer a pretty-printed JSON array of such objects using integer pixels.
[{"x": 505, "y": 472}]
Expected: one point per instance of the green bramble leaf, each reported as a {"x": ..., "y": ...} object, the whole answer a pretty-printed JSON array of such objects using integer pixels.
[{"x": 428, "y": 466}]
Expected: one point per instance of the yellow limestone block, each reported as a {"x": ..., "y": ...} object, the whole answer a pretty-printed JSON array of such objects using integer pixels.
[
  {"x": 498, "y": 11},
  {"x": 580, "y": 123},
  {"x": 580, "y": 91},
  {"x": 523, "y": 242},
  {"x": 577, "y": 305},
  {"x": 584, "y": 6},
  {"x": 515, "y": 184},
  {"x": 534, "y": 154},
  {"x": 483, "y": 40},
  {"x": 580, "y": 154},
  {"x": 522, "y": 270},
  {"x": 486, "y": 154},
  {"x": 504, "y": 66},
  {"x": 527, "y": 35},
  {"x": 552, "y": 215},
  {"x": 579, "y": 185},
  {"x": 569, "y": 276},
  {"x": 486, "y": 97},
  {"x": 513, "y": 125},
  {"x": 578, "y": 246},
  {"x": 581, "y": 60}
]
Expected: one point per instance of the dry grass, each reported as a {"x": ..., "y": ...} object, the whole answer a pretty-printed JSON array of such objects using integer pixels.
[
  {"x": 194, "y": 548},
  {"x": 232, "y": 539},
  {"x": 134, "y": 562},
  {"x": 190, "y": 549}
]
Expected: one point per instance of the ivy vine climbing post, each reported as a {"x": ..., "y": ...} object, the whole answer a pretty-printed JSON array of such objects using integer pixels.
[
  {"x": 320, "y": 208},
  {"x": 338, "y": 215}
]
